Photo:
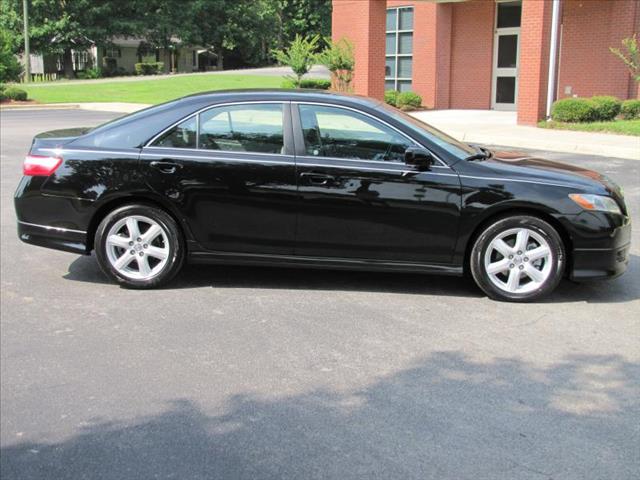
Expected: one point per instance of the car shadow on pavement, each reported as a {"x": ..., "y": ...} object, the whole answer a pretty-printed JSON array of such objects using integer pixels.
[
  {"x": 446, "y": 416},
  {"x": 623, "y": 289}
]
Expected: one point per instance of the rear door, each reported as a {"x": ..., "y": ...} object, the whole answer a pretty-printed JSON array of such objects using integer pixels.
[
  {"x": 358, "y": 199},
  {"x": 230, "y": 171}
]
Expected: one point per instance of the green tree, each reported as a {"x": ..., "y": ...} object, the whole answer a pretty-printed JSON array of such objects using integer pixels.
[
  {"x": 300, "y": 56},
  {"x": 60, "y": 26},
  {"x": 339, "y": 58},
  {"x": 630, "y": 56},
  {"x": 10, "y": 68},
  {"x": 306, "y": 18}
]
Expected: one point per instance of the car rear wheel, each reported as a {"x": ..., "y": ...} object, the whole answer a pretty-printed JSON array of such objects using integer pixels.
[
  {"x": 139, "y": 246},
  {"x": 519, "y": 258}
]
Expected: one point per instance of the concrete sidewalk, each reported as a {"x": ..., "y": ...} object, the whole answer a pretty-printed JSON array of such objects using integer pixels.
[{"x": 492, "y": 127}]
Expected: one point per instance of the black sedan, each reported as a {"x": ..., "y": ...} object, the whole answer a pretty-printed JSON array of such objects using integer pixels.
[{"x": 313, "y": 179}]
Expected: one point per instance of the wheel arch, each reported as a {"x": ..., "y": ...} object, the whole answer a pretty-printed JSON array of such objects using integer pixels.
[
  {"x": 109, "y": 205},
  {"x": 513, "y": 211}
]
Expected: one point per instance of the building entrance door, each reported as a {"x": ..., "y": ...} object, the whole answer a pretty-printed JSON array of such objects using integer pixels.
[{"x": 506, "y": 46}]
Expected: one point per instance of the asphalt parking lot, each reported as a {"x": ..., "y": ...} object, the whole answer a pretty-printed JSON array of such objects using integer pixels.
[{"x": 238, "y": 372}]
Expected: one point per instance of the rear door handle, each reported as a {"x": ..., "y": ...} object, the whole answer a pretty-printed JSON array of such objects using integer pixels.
[
  {"x": 166, "y": 167},
  {"x": 317, "y": 178}
]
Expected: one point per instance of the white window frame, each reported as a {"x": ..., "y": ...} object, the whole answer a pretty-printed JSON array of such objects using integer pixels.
[{"x": 394, "y": 78}]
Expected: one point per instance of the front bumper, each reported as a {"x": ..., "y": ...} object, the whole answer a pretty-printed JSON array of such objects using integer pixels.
[{"x": 604, "y": 257}]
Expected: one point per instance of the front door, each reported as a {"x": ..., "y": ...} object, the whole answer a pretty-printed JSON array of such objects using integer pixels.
[
  {"x": 358, "y": 199},
  {"x": 230, "y": 173},
  {"x": 505, "y": 56}
]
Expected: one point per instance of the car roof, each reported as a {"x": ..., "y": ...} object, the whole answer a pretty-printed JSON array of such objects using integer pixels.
[{"x": 280, "y": 94}]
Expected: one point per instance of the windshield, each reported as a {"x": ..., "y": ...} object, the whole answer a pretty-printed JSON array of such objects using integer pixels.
[{"x": 444, "y": 141}]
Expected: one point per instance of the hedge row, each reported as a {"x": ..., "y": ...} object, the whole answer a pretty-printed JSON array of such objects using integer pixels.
[
  {"x": 12, "y": 93},
  {"x": 149, "y": 68},
  {"x": 599, "y": 108},
  {"x": 312, "y": 83},
  {"x": 403, "y": 100}
]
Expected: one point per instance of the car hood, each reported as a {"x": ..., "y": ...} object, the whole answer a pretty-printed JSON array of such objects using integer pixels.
[{"x": 522, "y": 165}]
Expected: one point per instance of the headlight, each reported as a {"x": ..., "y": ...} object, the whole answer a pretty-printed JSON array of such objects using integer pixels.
[{"x": 596, "y": 202}]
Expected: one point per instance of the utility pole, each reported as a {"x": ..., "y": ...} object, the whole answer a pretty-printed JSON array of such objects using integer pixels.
[{"x": 27, "y": 53}]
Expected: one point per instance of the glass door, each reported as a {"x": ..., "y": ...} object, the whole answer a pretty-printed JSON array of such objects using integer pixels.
[{"x": 506, "y": 45}]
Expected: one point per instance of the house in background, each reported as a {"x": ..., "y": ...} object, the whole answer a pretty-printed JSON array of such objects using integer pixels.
[
  {"x": 489, "y": 54},
  {"x": 121, "y": 55}
]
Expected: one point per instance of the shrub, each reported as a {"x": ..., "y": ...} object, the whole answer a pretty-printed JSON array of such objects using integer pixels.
[
  {"x": 339, "y": 58},
  {"x": 15, "y": 94},
  {"x": 391, "y": 97},
  {"x": 313, "y": 83},
  {"x": 408, "y": 101},
  {"x": 300, "y": 56},
  {"x": 630, "y": 109},
  {"x": 2, "y": 87},
  {"x": 606, "y": 107},
  {"x": 149, "y": 68},
  {"x": 573, "y": 110},
  {"x": 3, "y": 97}
]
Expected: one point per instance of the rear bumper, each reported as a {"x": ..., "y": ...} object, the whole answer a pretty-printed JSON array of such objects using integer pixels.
[{"x": 58, "y": 238}]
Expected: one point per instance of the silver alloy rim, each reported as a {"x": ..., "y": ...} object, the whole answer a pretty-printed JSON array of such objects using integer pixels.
[
  {"x": 137, "y": 247},
  {"x": 518, "y": 260}
]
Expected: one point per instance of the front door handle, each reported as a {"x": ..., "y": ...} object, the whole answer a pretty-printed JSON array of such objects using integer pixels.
[
  {"x": 166, "y": 167},
  {"x": 317, "y": 178}
]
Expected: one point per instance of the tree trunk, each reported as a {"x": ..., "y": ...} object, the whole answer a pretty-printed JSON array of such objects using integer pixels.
[
  {"x": 220, "y": 61},
  {"x": 67, "y": 63}
]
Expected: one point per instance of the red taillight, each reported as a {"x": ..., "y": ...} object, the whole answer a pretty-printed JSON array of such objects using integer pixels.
[{"x": 39, "y": 165}]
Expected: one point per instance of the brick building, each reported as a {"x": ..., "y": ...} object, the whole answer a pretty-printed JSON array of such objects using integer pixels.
[{"x": 489, "y": 54}]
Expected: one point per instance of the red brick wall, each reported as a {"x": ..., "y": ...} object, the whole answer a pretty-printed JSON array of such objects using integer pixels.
[
  {"x": 363, "y": 22},
  {"x": 534, "y": 60},
  {"x": 471, "y": 54},
  {"x": 589, "y": 28}
]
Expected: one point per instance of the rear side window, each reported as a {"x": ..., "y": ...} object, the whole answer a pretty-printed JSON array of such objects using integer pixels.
[
  {"x": 251, "y": 128},
  {"x": 243, "y": 128},
  {"x": 183, "y": 135},
  {"x": 340, "y": 133}
]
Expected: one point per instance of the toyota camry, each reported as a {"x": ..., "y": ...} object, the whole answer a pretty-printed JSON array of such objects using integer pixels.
[{"x": 318, "y": 180}]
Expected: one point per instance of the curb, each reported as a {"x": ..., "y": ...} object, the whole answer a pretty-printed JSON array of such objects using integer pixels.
[{"x": 96, "y": 106}]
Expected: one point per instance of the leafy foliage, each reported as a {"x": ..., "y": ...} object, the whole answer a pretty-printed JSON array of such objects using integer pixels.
[
  {"x": 606, "y": 107},
  {"x": 300, "y": 56},
  {"x": 391, "y": 97},
  {"x": 312, "y": 83},
  {"x": 10, "y": 68},
  {"x": 339, "y": 58},
  {"x": 630, "y": 55},
  {"x": 14, "y": 93},
  {"x": 149, "y": 68},
  {"x": 630, "y": 109},
  {"x": 573, "y": 110},
  {"x": 408, "y": 101}
]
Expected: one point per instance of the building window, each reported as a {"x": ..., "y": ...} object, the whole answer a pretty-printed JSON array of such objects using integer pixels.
[
  {"x": 399, "y": 49},
  {"x": 112, "y": 52}
]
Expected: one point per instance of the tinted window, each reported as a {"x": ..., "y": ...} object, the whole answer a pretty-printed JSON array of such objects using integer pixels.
[
  {"x": 340, "y": 133},
  {"x": 242, "y": 128},
  {"x": 181, "y": 136}
]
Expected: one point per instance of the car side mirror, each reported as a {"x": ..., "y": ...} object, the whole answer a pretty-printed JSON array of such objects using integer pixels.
[{"x": 420, "y": 158}]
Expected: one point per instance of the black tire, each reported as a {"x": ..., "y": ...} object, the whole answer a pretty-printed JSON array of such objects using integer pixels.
[
  {"x": 505, "y": 224},
  {"x": 176, "y": 245}
]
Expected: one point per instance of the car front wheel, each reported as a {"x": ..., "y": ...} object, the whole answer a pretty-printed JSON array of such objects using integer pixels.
[
  {"x": 519, "y": 258},
  {"x": 139, "y": 246}
]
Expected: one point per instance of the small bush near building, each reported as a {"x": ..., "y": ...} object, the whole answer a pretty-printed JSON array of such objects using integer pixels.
[
  {"x": 606, "y": 107},
  {"x": 573, "y": 110},
  {"x": 90, "y": 74},
  {"x": 391, "y": 97},
  {"x": 312, "y": 83},
  {"x": 408, "y": 101},
  {"x": 149, "y": 68},
  {"x": 14, "y": 93},
  {"x": 630, "y": 109}
]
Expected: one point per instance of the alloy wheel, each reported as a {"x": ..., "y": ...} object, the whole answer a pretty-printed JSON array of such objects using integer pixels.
[{"x": 137, "y": 247}]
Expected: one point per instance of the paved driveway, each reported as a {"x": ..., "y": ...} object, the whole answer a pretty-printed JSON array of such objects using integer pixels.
[{"x": 273, "y": 373}]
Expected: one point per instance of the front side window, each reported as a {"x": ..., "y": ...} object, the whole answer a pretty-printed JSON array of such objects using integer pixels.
[
  {"x": 243, "y": 128},
  {"x": 339, "y": 133},
  {"x": 399, "y": 49}
]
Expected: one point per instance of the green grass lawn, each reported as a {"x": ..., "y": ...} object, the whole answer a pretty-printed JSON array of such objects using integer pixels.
[
  {"x": 153, "y": 90},
  {"x": 622, "y": 127}
]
